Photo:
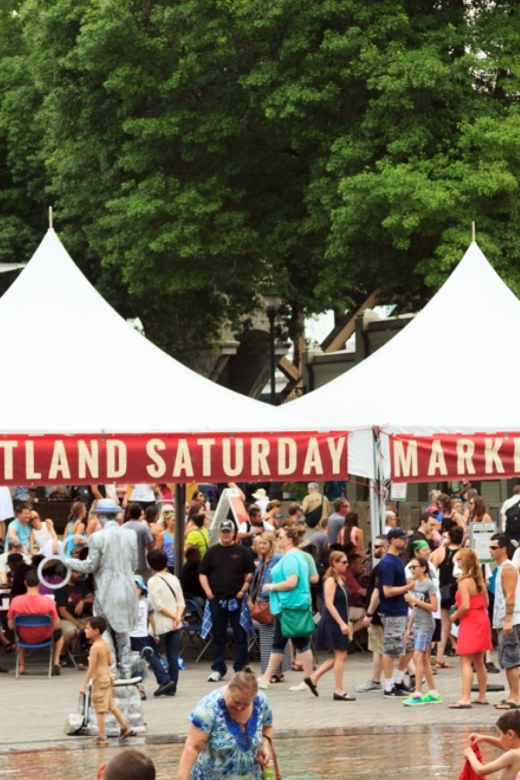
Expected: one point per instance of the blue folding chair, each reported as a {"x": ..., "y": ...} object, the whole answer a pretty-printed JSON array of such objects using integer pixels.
[
  {"x": 33, "y": 621},
  {"x": 191, "y": 629}
]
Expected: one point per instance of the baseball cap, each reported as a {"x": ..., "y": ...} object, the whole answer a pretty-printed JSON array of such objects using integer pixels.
[
  {"x": 226, "y": 525},
  {"x": 396, "y": 533},
  {"x": 141, "y": 583}
]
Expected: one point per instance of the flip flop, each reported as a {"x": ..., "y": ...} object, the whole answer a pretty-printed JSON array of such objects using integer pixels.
[
  {"x": 310, "y": 684},
  {"x": 482, "y": 703},
  {"x": 460, "y": 706},
  {"x": 506, "y": 705}
]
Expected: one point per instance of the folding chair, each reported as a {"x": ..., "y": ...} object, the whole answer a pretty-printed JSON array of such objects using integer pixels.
[
  {"x": 192, "y": 627},
  {"x": 33, "y": 621}
]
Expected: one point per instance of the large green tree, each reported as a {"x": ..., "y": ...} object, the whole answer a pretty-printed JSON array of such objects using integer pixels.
[{"x": 199, "y": 152}]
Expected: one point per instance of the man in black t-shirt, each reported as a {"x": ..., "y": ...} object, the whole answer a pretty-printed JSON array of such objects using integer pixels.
[{"x": 226, "y": 572}]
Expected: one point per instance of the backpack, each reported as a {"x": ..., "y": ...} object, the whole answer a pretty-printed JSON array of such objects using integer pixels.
[
  {"x": 513, "y": 521},
  {"x": 248, "y": 541},
  {"x": 313, "y": 517}
]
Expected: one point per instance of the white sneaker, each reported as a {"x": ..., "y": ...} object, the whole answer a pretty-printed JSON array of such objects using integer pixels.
[
  {"x": 300, "y": 687},
  {"x": 262, "y": 684},
  {"x": 215, "y": 677}
]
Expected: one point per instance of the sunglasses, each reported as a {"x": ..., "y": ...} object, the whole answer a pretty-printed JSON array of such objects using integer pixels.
[
  {"x": 415, "y": 566},
  {"x": 494, "y": 547}
]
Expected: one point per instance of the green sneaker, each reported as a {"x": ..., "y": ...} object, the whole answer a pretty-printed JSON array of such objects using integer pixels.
[
  {"x": 414, "y": 701},
  {"x": 431, "y": 698}
]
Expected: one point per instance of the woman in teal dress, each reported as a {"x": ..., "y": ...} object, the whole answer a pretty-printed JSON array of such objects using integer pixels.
[{"x": 229, "y": 735}]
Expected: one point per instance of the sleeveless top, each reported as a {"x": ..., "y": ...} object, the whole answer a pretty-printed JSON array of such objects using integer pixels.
[
  {"x": 446, "y": 568},
  {"x": 499, "y": 610}
]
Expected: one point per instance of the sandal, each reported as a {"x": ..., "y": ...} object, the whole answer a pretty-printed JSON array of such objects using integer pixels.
[
  {"x": 142, "y": 692},
  {"x": 277, "y": 678},
  {"x": 128, "y": 732},
  {"x": 99, "y": 741},
  {"x": 10, "y": 647},
  {"x": 444, "y": 665},
  {"x": 297, "y": 667}
]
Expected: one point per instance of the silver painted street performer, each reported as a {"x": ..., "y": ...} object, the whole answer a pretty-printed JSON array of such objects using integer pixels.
[{"x": 112, "y": 558}]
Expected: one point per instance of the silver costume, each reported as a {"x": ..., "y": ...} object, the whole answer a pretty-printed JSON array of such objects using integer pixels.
[{"x": 112, "y": 559}]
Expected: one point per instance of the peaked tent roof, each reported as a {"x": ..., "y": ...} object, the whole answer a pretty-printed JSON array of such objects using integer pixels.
[
  {"x": 71, "y": 364},
  {"x": 452, "y": 369}
]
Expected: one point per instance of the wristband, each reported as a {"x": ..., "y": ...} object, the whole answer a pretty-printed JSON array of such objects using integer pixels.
[
  {"x": 156, "y": 635},
  {"x": 369, "y": 614}
]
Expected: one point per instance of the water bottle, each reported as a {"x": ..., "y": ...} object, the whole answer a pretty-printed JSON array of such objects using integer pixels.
[
  {"x": 267, "y": 773},
  {"x": 182, "y": 665}
]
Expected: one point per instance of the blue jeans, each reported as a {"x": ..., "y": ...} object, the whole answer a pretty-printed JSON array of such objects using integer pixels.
[
  {"x": 171, "y": 641},
  {"x": 138, "y": 643},
  {"x": 220, "y": 617}
]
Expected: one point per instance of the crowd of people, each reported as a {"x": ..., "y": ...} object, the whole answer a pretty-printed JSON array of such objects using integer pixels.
[{"x": 297, "y": 578}]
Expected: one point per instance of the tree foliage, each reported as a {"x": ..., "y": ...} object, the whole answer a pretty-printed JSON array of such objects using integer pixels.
[{"x": 199, "y": 152}]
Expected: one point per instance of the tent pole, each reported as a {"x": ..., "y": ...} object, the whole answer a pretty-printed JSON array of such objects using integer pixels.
[
  {"x": 374, "y": 512},
  {"x": 180, "y": 501}
]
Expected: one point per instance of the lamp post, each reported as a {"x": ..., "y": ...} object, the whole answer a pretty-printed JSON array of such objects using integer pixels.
[{"x": 272, "y": 304}]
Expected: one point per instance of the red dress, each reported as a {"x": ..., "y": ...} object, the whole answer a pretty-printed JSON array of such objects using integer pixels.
[{"x": 475, "y": 628}]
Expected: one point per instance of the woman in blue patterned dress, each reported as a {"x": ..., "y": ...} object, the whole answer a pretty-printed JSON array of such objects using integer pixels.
[{"x": 229, "y": 735}]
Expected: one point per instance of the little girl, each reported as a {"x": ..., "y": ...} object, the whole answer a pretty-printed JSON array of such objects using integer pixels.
[
  {"x": 140, "y": 638},
  {"x": 423, "y": 600}
]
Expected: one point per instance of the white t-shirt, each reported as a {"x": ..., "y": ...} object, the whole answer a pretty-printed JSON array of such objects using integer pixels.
[
  {"x": 245, "y": 528},
  {"x": 6, "y": 504},
  {"x": 142, "y": 493},
  {"x": 508, "y": 503},
  {"x": 145, "y": 609}
]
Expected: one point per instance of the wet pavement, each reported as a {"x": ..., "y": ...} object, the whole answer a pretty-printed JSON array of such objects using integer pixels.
[
  {"x": 404, "y": 753},
  {"x": 316, "y": 737}
]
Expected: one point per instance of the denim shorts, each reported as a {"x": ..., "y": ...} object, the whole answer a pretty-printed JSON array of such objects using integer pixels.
[{"x": 300, "y": 643}]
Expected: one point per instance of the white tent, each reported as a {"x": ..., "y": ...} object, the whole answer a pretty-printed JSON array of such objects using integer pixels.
[
  {"x": 452, "y": 369},
  {"x": 70, "y": 364}
]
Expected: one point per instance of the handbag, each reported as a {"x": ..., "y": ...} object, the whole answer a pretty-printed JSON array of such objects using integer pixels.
[
  {"x": 297, "y": 621},
  {"x": 261, "y": 612}
]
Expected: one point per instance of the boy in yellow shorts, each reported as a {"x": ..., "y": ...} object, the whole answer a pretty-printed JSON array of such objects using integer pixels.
[{"x": 99, "y": 663}]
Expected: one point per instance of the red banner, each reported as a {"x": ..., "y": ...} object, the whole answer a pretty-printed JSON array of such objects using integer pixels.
[
  {"x": 252, "y": 457},
  {"x": 450, "y": 456}
]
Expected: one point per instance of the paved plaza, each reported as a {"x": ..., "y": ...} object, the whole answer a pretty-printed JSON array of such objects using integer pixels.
[{"x": 34, "y": 709}]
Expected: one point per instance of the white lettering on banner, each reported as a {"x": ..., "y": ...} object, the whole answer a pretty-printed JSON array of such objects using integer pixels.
[
  {"x": 491, "y": 456},
  {"x": 88, "y": 458},
  {"x": 287, "y": 456},
  {"x": 30, "y": 473},
  {"x": 405, "y": 463},
  {"x": 8, "y": 447},
  {"x": 229, "y": 470},
  {"x": 183, "y": 460},
  {"x": 516, "y": 464},
  {"x": 465, "y": 451},
  {"x": 313, "y": 458},
  {"x": 206, "y": 445},
  {"x": 116, "y": 458},
  {"x": 259, "y": 451},
  {"x": 59, "y": 462},
  {"x": 437, "y": 459},
  {"x": 336, "y": 451},
  {"x": 158, "y": 469}
]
